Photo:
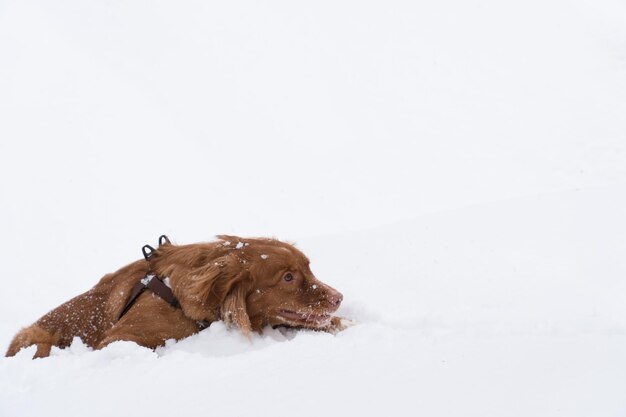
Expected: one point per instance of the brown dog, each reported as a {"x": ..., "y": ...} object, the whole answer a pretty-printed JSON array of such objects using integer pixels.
[{"x": 250, "y": 283}]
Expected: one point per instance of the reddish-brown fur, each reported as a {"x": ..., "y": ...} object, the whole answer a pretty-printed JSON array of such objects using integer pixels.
[{"x": 241, "y": 281}]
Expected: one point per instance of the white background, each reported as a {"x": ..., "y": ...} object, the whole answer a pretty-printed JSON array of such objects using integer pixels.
[{"x": 457, "y": 170}]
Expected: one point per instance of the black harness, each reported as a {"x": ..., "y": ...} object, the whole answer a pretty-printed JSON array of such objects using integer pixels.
[{"x": 155, "y": 284}]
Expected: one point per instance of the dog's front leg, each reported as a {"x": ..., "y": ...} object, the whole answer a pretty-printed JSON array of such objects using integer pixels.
[{"x": 338, "y": 324}]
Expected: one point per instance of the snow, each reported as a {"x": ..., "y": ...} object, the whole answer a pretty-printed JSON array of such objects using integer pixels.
[
  {"x": 457, "y": 170},
  {"x": 514, "y": 308},
  {"x": 147, "y": 279}
]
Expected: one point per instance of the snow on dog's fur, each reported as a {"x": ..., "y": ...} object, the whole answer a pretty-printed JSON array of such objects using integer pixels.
[{"x": 249, "y": 283}]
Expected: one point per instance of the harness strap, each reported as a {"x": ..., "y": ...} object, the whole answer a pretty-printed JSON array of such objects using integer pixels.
[
  {"x": 154, "y": 284},
  {"x": 159, "y": 288}
]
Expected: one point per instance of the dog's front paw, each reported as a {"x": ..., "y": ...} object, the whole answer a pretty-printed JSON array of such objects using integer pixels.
[{"x": 338, "y": 324}]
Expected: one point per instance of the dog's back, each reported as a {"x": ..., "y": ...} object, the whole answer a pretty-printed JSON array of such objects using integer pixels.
[{"x": 87, "y": 316}]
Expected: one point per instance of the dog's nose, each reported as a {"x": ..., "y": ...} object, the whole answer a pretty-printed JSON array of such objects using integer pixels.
[{"x": 335, "y": 298}]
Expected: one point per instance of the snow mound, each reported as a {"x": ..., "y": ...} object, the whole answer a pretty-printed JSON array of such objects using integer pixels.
[{"x": 512, "y": 308}]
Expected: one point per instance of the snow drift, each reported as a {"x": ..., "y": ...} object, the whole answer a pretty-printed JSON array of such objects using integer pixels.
[{"x": 513, "y": 308}]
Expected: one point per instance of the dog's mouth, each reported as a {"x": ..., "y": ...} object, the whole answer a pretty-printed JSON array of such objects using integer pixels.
[{"x": 305, "y": 319}]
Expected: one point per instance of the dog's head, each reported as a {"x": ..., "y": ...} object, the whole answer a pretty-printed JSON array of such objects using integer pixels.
[
  {"x": 284, "y": 291},
  {"x": 258, "y": 282}
]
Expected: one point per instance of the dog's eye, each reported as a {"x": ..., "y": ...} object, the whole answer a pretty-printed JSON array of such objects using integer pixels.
[{"x": 288, "y": 276}]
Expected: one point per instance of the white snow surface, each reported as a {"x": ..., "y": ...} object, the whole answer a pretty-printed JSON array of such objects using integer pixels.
[{"x": 456, "y": 169}]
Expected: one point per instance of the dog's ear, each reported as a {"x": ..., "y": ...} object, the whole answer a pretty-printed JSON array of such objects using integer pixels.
[
  {"x": 222, "y": 282},
  {"x": 234, "y": 310}
]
